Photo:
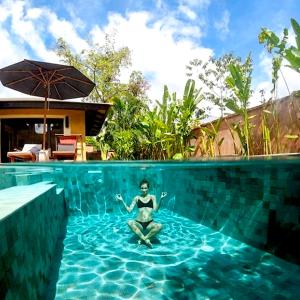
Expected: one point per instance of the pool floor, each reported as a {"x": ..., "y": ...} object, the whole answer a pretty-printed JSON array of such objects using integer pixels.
[{"x": 102, "y": 260}]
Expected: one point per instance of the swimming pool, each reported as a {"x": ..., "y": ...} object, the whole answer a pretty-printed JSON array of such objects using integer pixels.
[{"x": 222, "y": 222}]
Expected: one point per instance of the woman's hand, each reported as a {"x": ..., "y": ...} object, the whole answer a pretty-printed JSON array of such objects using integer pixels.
[
  {"x": 119, "y": 197},
  {"x": 163, "y": 195}
]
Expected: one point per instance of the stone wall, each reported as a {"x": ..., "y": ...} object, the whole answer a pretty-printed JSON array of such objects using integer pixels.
[{"x": 32, "y": 220}]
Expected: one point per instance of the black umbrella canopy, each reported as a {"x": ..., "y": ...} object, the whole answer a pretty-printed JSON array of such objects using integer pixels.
[{"x": 46, "y": 80}]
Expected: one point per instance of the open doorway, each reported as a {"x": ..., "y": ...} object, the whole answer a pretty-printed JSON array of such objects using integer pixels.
[{"x": 17, "y": 132}]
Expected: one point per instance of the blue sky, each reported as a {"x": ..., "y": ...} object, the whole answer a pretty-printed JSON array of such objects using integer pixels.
[{"x": 163, "y": 35}]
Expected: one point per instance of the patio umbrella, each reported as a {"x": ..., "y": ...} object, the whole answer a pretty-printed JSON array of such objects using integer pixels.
[{"x": 46, "y": 80}]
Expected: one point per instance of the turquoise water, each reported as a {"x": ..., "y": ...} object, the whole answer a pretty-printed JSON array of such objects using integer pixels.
[
  {"x": 218, "y": 218},
  {"x": 102, "y": 260}
]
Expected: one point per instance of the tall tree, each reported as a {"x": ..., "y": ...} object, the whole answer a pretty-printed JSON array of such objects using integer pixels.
[
  {"x": 102, "y": 64},
  {"x": 213, "y": 74}
]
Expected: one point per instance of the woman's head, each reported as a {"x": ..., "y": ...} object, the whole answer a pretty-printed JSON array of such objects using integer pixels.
[
  {"x": 144, "y": 186},
  {"x": 143, "y": 182}
]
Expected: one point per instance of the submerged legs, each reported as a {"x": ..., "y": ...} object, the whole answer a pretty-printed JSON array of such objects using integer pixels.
[
  {"x": 154, "y": 228},
  {"x": 137, "y": 228}
]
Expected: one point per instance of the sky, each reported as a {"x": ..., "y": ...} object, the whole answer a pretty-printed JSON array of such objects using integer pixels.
[{"x": 162, "y": 35}]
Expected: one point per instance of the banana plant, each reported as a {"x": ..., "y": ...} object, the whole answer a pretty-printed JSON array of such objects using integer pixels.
[
  {"x": 121, "y": 129},
  {"x": 158, "y": 127},
  {"x": 209, "y": 135},
  {"x": 266, "y": 135},
  {"x": 275, "y": 46},
  {"x": 292, "y": 54},
  {"x": 187, "y": 111},
  {"x": 278, "y": 48},
  {"x": 167, "y": 128},
  {"x": 239, "y": 81},
  {"x": 157, "y": 137}
]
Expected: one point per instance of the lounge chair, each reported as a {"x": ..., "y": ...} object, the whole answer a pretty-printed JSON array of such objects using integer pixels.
[
  {"x": 28, "y": 153},
  {"x": 66, "y": 147}
]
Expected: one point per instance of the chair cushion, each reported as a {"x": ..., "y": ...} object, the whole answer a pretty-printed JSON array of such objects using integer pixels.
[
  {"x": 33, "y": 148},
  {"x": 68, "y": 140},
  {"x": 66, "y": 147}
]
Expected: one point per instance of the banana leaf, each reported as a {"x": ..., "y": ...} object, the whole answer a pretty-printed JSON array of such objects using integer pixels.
[
  {"x": 293, "y": 58},
  {"x": 296, "y": 28},
  {"x": 291, "y": 136},
  {"x": 178, "y": 156},
  {"x": 220, "y": 141},
  {"x": 231, "y": 104}
]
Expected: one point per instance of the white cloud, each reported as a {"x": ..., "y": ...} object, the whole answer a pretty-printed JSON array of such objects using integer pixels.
[
  {"x": 30, "y": 26},
  {"x": 5, "y": 11},
  {"x": 187, "y": 12},
  {"x": 293, "y": 81},
  {"x": 65, "y": 29},
  {"x": 25, "y": 27},
  {"x": 24, "y": 36},
  {"x": 223, "y": 25},
  {"x": 34, "y": 13},
  {"x": 72, "y": 9},
  {"x": 161, "y": 49},
  {"x": 11, "y": 52},
  {"x": 155, "y": 49},
  {"x": 24, "y": 32},
  {"x": 176, "y": 27},
  {"x": 196, "y": 3},
  {"x": 158, "y": 4}
]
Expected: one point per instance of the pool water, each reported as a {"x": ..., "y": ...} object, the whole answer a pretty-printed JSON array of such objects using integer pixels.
[
  {"x": 212, "y": 209},
  {"x": 102, "y": 260}
]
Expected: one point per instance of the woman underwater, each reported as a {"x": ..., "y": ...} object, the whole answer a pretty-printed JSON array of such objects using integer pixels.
[{"x": 146, "y": 204}]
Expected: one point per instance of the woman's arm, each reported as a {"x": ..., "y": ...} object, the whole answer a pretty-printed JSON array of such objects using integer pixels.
[
  {"x": 128, "y": 208},
  {"x": 155, "y": 205}
]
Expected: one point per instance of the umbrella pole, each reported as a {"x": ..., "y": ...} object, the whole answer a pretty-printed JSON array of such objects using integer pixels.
[
  {"x": 44, "y": 127},
  {"x": 47, "y": 85}
]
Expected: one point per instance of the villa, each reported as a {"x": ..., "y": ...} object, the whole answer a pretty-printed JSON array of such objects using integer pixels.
[{"x": 21, "y": 122}]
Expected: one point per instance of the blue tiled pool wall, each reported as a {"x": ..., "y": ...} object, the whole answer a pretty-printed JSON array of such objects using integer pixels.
[
  {"x": 7, "y": 179},
  {"x": 23, "y": 175},
  {"x": 92, "y": 189},
  {"x": 29, "y": 239},
  {"x": 257, "y": 203}
]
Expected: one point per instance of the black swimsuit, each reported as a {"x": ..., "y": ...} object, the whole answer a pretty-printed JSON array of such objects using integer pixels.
[
  {"x": 147, "y": 204},
  {"x": 141, "y": 204},
  {"x": 144, "y": 224}
]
